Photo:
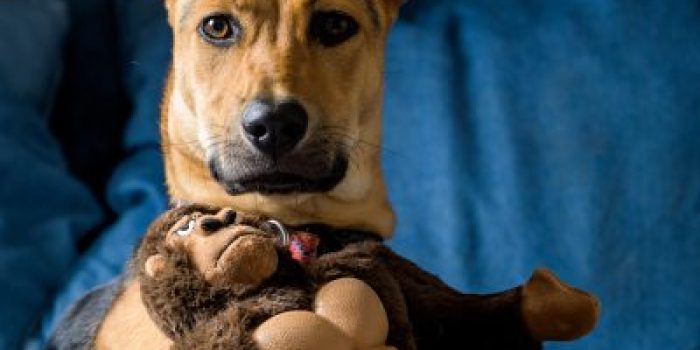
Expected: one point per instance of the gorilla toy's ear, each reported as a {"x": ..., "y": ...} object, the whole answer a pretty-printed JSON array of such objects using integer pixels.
[{"x": 155, "y": 265}]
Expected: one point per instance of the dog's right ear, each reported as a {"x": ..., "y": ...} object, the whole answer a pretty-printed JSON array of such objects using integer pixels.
[
  {"x": 391, "y": 8},
  {"x": 170, "y": 6}
]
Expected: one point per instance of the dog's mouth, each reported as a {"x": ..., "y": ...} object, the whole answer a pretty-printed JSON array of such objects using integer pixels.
[
  {"x": 275, "y": 179},
  {"x": 286, "y": 183}
]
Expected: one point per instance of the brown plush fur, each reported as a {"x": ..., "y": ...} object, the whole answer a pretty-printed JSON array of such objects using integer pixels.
[
  {"x": 423, "y": 312},
  {"x": 198, "y": 314},
  {"x": 439, "y": 316}
]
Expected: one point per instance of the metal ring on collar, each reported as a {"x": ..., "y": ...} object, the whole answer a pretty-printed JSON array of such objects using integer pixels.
[{"x": 284, "y": 234}]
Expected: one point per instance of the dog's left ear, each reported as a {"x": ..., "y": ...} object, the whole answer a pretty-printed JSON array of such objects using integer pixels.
[{"x": 168, "y": 4}]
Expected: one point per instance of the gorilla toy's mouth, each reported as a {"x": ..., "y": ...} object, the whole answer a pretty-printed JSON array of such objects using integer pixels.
[
  {"x": 230, "y": 247},
  {"x": 247, "y": 259}
]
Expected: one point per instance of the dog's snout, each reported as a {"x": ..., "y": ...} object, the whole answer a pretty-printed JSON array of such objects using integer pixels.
[{"x": 275, "y": 128}]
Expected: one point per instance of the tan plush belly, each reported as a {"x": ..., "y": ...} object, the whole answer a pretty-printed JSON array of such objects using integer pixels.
[
  {"x": 355, "y": 308},
  {"x": 348, "y": 315}
]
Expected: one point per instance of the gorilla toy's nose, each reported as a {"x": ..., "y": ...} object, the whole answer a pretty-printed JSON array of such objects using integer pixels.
[
  {"x": 275, "y": 128},
  {"x": 213, "y": 223}
]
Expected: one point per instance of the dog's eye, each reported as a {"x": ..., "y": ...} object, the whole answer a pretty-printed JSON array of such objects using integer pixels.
[
  {"x": 220, "y": 29},
  {"x": 333, "y": 28},
  {"x": 186, "y": 229}
]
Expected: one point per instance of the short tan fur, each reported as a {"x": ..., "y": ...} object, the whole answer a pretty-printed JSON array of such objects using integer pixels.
[{"x": 341, "y": 88}]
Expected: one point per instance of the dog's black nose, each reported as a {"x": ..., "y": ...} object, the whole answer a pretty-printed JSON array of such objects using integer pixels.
[{"x": 275, "y": 128}]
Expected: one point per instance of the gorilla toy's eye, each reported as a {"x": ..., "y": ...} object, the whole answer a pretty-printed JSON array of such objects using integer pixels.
[
  {"x": 332, "y": 28},
  {"x": 220, "y": 30},
  {"x": 186, "y": 229}
]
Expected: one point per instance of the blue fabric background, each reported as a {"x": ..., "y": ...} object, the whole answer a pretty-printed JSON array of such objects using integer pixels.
[
  {"x": 44, "y": 211},
  {"x": 517, "y": 134}
]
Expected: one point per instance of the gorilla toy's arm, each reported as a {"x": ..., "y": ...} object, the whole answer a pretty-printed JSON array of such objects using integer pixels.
[
  {"x": 440, "y": 317},
  {"x": 544, "y": 308}
]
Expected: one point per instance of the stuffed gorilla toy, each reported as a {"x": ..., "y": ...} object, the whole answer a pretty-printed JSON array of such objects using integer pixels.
[{"x": 212, "y": 278}]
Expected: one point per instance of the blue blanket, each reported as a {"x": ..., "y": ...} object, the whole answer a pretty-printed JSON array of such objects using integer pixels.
[{"x": 518, "y": 134}]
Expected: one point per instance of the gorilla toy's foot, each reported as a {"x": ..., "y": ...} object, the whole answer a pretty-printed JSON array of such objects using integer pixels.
[{"x": 554, "y": 310}]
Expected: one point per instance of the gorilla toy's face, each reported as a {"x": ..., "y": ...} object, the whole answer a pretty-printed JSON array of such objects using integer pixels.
[{"x": 222, "y": 251}]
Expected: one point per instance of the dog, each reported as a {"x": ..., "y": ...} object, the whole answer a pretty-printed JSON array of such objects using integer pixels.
[
  {"x": 274, "y": 107},
  {"x": 271, "y": 107}
]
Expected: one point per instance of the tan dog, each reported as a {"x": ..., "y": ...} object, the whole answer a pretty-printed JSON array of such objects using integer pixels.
[{"x": 274, "y": 107}]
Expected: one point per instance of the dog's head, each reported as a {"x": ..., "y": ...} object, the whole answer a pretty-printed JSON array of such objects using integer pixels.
[{"x": 274, "y": 106}]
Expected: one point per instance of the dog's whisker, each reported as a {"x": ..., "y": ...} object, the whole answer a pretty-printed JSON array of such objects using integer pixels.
[{"x": 343, "y": 133}]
